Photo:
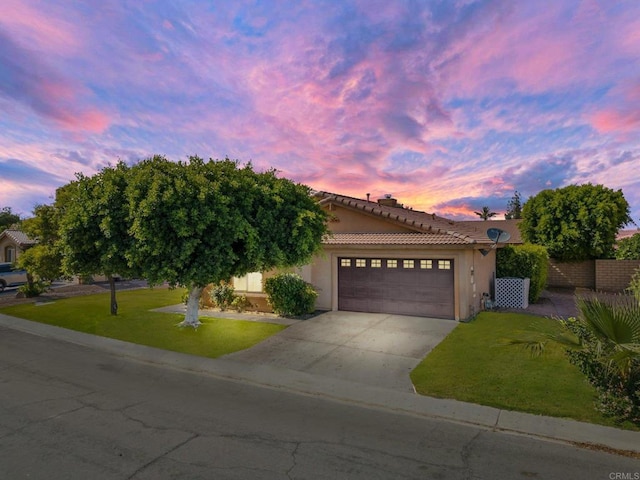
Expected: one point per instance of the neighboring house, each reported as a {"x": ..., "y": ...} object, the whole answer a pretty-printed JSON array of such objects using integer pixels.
[
  {"x": 626, "y": 233},
  {"x": 384, "y": 258},
  {"x": 12, "y": 243}
]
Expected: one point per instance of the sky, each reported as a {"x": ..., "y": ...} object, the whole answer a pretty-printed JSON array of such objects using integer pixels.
[{"x": 447, "y": 105}]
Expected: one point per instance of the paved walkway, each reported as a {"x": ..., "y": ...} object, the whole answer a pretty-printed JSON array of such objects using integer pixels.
[{"x": 552, "y": 303}]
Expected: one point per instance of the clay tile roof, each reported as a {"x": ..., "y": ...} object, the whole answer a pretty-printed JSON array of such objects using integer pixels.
[
  {"x": 18, "y": 237},
  {"x": 481, "y": 227},
  {"x": 450, "y": 232},
  {"x": 393, "y": 239},
  {"x": 626, "y": 233}
]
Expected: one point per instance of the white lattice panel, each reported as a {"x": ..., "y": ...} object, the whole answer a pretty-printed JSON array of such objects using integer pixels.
[{"x": 512, "y": 292}]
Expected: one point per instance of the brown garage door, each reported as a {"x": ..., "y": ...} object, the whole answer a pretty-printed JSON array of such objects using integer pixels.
[{"x": 404, "y": 286}]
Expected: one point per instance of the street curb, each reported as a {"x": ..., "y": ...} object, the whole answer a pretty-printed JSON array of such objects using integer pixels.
[{"x": 489, "y": 418}]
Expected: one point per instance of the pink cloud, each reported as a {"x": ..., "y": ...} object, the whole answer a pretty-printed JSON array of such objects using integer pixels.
[
  {"x": 620, "y": 121},
  {"x": 43, "y": 27},
  {"x": 623, "y": 117},
  {"x": 535, "y": 50},
  {"x": 91, "y": 121}
]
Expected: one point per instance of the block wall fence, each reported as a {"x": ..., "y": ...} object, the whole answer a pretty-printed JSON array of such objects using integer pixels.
[{"x": 600, "y": 275}]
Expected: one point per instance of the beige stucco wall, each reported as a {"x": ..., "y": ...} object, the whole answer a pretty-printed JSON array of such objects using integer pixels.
[
  {"x": 7, "y": 242},
  {"x": 348, "y": 221},
  {"x": 484, "y": 272}
]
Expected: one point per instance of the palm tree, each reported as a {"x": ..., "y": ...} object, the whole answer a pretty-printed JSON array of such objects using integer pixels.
[{"x": 486, "y": 213}]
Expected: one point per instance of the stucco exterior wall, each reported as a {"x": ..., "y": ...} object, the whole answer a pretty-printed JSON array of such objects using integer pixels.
[
  {"x": 484, "y": 267},
  {"x": 348, "y": 221},
  {"x": 4, "y": 244}
]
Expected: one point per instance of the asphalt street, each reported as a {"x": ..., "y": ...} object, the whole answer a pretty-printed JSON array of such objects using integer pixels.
[{"x": 68, "y": 411}]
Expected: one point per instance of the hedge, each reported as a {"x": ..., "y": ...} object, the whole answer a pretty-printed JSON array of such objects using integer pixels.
[{"x": 524, "y": 261}]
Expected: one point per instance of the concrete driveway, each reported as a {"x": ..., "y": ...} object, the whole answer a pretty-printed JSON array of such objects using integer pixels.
[{"x": 369, "y": 348}]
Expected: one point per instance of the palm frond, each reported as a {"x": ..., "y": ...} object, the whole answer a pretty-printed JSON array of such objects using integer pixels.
[{"x": 615, "y": 322}]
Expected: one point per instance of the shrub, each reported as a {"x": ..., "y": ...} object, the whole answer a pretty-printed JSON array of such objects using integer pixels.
[
  {"x": 222, "y": 296},
  {"x": 628, "y": 248},
  {"x": 634, "y": 286},
  {"x": 524, "y": 261},
  {"x": 33, "y": 289},
  {"x": 241, "y": 303},
  {"x": 618, "y": 385},
  {"x": 289, "y": 295}
]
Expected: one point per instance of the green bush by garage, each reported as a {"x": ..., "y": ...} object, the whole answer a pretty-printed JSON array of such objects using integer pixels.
[{"x": 524, "y": 261}]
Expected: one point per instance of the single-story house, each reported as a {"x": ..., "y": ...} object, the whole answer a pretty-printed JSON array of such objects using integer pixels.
[
  {"x": 382, "y": 257},
  {"x": 12, "y": 243}
]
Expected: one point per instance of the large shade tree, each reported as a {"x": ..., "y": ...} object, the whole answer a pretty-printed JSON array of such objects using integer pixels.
[
  {"x": 94, "y": 230},
  {"x": 201, "y": 222},
  {"x": 578, "y": 222}
]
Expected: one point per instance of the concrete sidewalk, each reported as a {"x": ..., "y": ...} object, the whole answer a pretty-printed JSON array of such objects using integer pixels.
[{"x": 351, "y": 392}]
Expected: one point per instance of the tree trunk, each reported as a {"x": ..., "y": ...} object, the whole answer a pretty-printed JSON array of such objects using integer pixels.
[
  {"x": 193, "y": 303},
  {"x": 112, "y": 287}
]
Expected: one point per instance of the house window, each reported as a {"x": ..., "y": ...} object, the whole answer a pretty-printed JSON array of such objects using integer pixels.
[
  {"x": 407, "y": 264},
  {"x": 392, "y": 264},
  {"x": 9, "y": 254},
  {"x": 444, "y": 264},
  {"x": 376, "y": 263},
  {"x": 251, "y": 282},
  {"x": 345, "y": 262},
  {"x": 426, "y": 264},
  {"x": 361, "y": 262}
]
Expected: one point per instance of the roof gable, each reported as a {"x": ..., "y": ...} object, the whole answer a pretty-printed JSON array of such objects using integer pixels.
[
  {"x": 18, "y": 237},
  {"x": 437, "y": 230}
]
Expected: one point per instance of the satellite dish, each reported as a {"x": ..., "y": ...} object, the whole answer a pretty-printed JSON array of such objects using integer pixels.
[{"x": 498, "y": 236}]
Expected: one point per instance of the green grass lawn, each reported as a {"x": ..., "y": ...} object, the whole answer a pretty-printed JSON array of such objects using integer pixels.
[
  {"x": 470, "y": 366},
  {"x": 135, "y": 323}
]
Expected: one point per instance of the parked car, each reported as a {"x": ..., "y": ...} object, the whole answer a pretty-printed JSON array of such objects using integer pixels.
[{"x": 11, "y": 277}]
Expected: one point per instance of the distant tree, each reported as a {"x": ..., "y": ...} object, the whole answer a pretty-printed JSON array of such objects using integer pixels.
[
  {"x": 94, "y": 230},
  {"x": 7, "y": 218},
  {"x": 43, "y": 260},
  {"x": 486, "y": 213},
  {"x": 198, "y": 222},
  {"x": 514, "y": 207},
  {"x": 577, "y": 222},
  {"x": 629, "y": 248}
]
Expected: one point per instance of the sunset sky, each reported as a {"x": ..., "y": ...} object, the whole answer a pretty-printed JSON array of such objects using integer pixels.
[{"x": 447, "y": 105}]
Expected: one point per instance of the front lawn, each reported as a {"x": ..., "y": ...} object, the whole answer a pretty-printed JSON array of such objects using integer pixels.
[
  {"x": 135, "y": 323},
  {"x": 470, "y": 366}
]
